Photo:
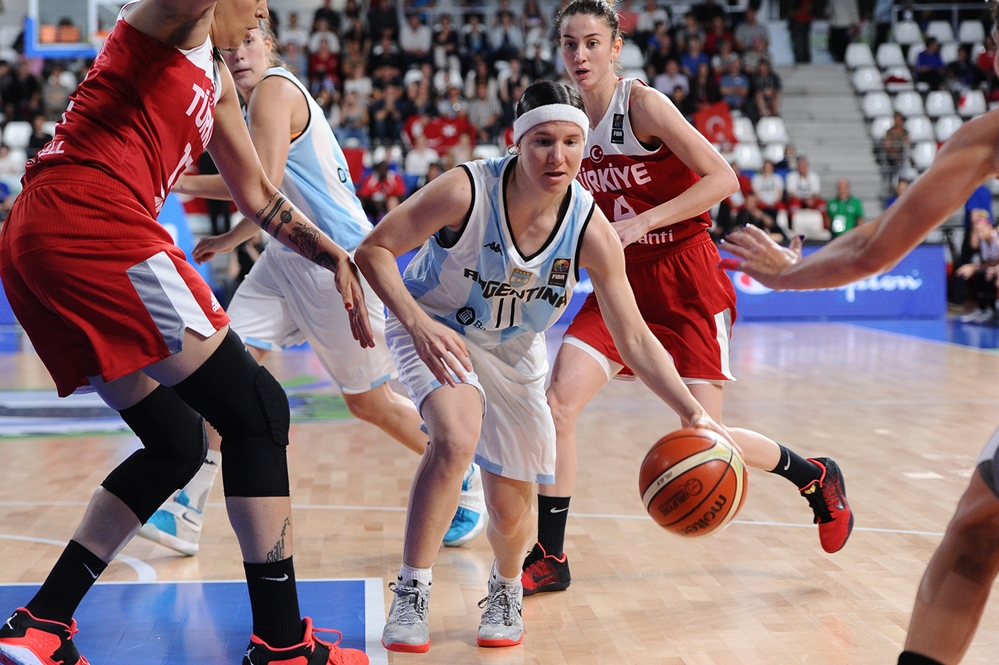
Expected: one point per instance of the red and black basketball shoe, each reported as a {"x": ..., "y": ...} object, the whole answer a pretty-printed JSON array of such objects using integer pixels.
[
  {"x": 26, "y": 640},
  {"x": 827, "y": 497},
  {"x": 544, "y": 572},
  {"x": 311, "y": 651}
]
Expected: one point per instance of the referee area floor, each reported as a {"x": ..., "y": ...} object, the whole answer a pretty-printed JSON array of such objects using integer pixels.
[{"x": 902, "y": 409}]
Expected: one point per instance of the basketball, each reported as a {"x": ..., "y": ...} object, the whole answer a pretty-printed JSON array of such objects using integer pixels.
[{"x": 693, "y": 482}]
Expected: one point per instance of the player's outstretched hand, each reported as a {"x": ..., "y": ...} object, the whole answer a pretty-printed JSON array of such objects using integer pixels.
[
  {"x": 442, "y": 350},
  {"x": 348, "y": 283},
  {"x": 704, "y": 421},
  {"x": 209, "y": 246},
  {"x": 761, "y": 258}
]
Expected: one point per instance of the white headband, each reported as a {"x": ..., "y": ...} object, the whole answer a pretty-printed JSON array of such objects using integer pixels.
[{"x": 549, "y": 113}]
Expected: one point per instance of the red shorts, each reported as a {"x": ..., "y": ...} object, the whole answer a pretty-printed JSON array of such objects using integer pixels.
[
  {"x": 688, "y": 303},
  {"x": 95, "y": 281}
]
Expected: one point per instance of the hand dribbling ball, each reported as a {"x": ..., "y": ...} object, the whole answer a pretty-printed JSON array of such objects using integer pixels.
[{"x": 693, "y": 482}]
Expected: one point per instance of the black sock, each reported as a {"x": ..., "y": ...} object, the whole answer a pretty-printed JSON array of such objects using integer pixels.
[
  {"x": 274, "y": 602},
  {"x": 552, "y": 513},
  {"x": 910, "y": 658},
  {"x": 796, "y": 468},
  {"x": 68, "y": 582}
]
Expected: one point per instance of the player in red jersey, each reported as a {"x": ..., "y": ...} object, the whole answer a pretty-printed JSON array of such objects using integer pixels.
[
  {"x": 655, "y": 177},
  {"x": 111, "y": 304}
]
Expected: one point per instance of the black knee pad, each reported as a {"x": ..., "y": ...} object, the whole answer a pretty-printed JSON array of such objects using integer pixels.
[
  {"x": 174, "y": 447},
  {"x": 250, "y": 410}
]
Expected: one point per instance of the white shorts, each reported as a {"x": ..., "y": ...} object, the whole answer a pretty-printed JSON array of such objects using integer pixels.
[
  {"x": 518, "y": 434},
  {"x": 286, "y": 300}
]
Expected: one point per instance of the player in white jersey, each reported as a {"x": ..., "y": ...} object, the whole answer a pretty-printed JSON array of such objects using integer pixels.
[
  {"x": 286, "y": 300},
  {"x": 503, "y": 242}
]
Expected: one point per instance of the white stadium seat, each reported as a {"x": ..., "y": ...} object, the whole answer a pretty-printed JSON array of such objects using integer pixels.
[
  {"x": 972, "y": 104},
  {"x": 772, "y": 130},
  {"x": 866, "y": 79},
  {"x": 898, "y": 78},
  {"x": 890, "y": 55},
  {"x": 909, "y": 103},
  {"x": 914, "y": 52},
  {"x": 49, "y": 128},
  {"x": 946, "y": 126},
  {"x": 17, "y": 133},
  {"x": 637, "y": 74},
  {"x": 920, "y": 128},
  {"x": 877, "y": 104},
  {"x": 948, "y": 52},
  {"x": 859, "y": 54},
  {"x": 971, "y": 32},
  {"x": 487, "y": 151},
  {"x": 773, "y": 152},
  {"x": 747, "y": 156},
  {"x": 743, "y": 130},
  {"x": 907, "y": 32},
  {"x": 923, "y": 154},
  {"x": 942, "y": 30},
  {"x": 412, "y": 76},
  {"x": 631, "y": 56},
  {"x": 810, "y": 224},
  {"x": 939, "y": 103},
  {"x": 880, "y": 126}
]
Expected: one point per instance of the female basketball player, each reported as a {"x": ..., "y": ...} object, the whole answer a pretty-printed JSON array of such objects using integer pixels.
[
  {"x": 654, "y": 176},
  {"x": 286, "y": 298},
  {"x": 956, "y": 585},
  {"x": 108, "y": 301},
  {"x": 503, "y": 242}
]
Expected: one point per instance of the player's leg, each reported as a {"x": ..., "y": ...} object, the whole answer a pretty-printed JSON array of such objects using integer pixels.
[
  {"x": 453, "y": 416},
  {"x": 819, "y": 480},
  {"x": 578, "y": 374},
  {"x": 390, "y": 412},
  {"x": 509, "y": 532}
]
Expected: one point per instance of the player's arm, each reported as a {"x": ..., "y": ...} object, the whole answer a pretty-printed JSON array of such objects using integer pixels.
[
  {"x": 964, "y": 163},
  {"x": 603, "y": 258},
  {"x": 271, "y": 107},
  {"x": 260, "y": 201},
  {"x": 654, "y": 118},
  {"x": 443, "y": 202}
]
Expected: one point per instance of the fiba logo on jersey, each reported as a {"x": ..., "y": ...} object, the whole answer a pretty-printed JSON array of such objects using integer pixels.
[{"x": 596, "y": 154}]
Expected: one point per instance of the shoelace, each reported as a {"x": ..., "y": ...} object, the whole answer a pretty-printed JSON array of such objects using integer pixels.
[
  {"x": 411, "y": 607},
  {"x": 339, "y": 635},
  {"x": 817, "y": 501},
  {"x": 500, "y": 606}
]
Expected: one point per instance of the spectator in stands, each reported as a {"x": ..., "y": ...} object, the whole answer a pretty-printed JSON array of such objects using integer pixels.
[
  {"x": 962, "y": 73},
  {"x": 509, "y": 79},
  {"x": 322, "y": 32},
  {"x": 627, "y": 18},
  {"x": 804, "y": 188},
  {"x": 8, "y": 88},
  {"x": 766, "y": 87},
  {"x": 790, "y": 160},
  {"x": 683, "y": 103},
  {"x": 39, "y": 137},
  {"x": 453, "y": 104},
  {"x": 480, "y": 73},
  {"x": 420, "y": 98},
  {"x": 415, "y": 41},
  {"x": 706, "y": 13},
  {"x": 980, "y": 272},
  {"x": 930, "y": 67},
  {"x": 768, "y": 187},
  {"x": 446, "y": 45},
  {"x": 506, "y": 38},
  {"x": 690, "y": 29},
  {"x": 381, "y": 191},
  {"x": 11, "y": 165},
  {"x": 353, "y": 24},
  {"x": 354, "y": 121},
  {"x": 980, "y": 199},
  {"x": 461, "y": 151},
  {"x": 293, "y": 33},
  {"x": 721, "y": 59},
  {"x": 484, "y": 112},
  {"x": 900, "y": 188},
  {"x": 387, "y": 116},
  {"x": 382, "y": 18},
  {"x": 703, "y": 89},
  {"x": 324, "y": 66},
  {"x": 475, "y": 41},
  {"x": 28, "y": 93},
  {"x": 895, "y": 147},
  {"x": 652, "y": 19},
  {"x": 56, "y": 89},
  {"x": 844, "y": 23},
  {"x": 671, "y": 79},
  {"x": 844, "y": 211},
  {"x": 693, "y": 58},
  {"x": 296, "y": 62},
  {"x": 716, "y": 35},
  {"x": 752, "y": 214},
  {"x": 985, "y": 59},
  {"x": 750, "y": 35},
  {"x": 419, "y": 159},
  {"x": 6, "y": 201},
  {"x": 800, "y": 26},
  {"x": 385, "y": 62},
  {"x": 734, "y": 86},
  {"x": 359, "y": 83},
  {"x": 538, "y": 65},
  {"x": 433, "y": 172},
  {"x": 353, "y": 57},
  {"x": 325, "y": 13},
  {"x": 534, "y": 24},
  {"x": 660, "y": 54}
]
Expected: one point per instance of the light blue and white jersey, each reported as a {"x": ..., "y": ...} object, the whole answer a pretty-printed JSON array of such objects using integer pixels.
[
  {"x": 480, "y": 284},
  {"x": 317, "y": 179}
]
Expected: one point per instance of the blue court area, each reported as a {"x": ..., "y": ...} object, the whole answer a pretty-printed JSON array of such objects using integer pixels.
[
  {"x": 207, "y": 623},
  {"x": 951, "y": 331}
]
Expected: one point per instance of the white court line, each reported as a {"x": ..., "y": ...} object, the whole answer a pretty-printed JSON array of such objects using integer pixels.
[{"x": 145, "y": 572}]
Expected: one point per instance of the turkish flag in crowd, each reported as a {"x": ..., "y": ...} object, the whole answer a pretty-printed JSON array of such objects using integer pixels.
[{"x": 715, "y": 123}]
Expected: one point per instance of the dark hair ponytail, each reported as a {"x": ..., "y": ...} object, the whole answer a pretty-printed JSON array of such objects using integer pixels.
[
  {"x": 544, "y": 92},
  {"x": 598, "y": 8}
]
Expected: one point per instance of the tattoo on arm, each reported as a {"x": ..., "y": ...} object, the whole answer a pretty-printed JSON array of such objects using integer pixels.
[
  {"x": 277, "y": 554},
  {"x": 266, "y": 214}
]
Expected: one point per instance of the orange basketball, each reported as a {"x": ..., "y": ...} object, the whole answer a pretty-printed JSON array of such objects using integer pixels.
[{"x": 693, "y": 482}]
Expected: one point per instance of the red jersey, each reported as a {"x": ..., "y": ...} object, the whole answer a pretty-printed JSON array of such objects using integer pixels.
[
  {"x": 142, "y": 115},
  {"x": 626, "y": 178}
]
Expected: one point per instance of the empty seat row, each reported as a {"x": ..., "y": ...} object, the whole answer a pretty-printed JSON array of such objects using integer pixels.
[
  {"x": 968, "y": 32},
  {"x": 910, "y": 103},
  {"x": 919, "y": 128},
  {"x": 767, "y": 130}
]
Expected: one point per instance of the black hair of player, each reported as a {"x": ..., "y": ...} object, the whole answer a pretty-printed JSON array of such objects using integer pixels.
[{"x": 544, "y": 92}]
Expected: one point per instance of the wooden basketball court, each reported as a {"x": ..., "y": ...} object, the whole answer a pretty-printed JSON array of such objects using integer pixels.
[{"x": 904, "y": 417}]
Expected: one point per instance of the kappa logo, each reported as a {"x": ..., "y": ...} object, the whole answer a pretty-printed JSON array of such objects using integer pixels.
[
  {"x": 520, "y": 277},
  {"x": 494, "y": 246},
  {"x": 596, "y": 154}
]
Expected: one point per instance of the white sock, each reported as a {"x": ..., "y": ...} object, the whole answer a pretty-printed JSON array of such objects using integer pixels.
[
  {"x": 421, "y": 575},
  {"x": 198, "y": 489},
  {"x": 499, "y": 579}
]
